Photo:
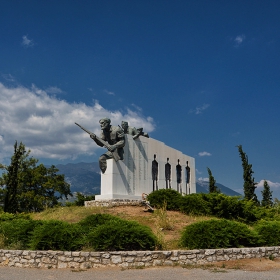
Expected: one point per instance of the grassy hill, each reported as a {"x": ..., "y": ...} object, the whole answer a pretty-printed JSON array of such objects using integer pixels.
[{"x": 167, "y": 225}]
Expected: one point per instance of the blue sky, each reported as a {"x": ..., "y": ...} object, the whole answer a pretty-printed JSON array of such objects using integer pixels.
[{"x": 200, "y": 76}]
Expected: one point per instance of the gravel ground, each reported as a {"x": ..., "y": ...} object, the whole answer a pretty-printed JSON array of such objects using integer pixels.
[{"x": 159, "y": 273}]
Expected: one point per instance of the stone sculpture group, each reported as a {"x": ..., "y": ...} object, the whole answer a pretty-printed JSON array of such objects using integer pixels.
[
  {"x": 112, "y": 137},
  {"x": 128, "y": 175}
]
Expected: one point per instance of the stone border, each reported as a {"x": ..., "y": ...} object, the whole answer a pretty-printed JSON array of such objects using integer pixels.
[
  {"x": 113, "y": 203},
  {"x": 127, "y": 259}
]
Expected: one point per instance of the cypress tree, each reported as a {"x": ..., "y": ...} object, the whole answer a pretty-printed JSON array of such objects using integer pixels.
[
  {"x": 11, "y": 181},
  {"x": 266, "y": 195},
  {"x": 249, "y": 184},
  {"x": 212, "y": 187}
]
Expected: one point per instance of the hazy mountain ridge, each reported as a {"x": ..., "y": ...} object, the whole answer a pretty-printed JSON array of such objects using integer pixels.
[{"x": 85, "y": 178}]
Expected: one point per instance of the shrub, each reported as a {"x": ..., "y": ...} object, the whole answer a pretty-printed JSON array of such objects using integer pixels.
[
  {"x": 269, "y": 232},
  {"x": 5, "y": 216},
  {"x": 92, "y": 221},
  {"x": 170, "y": 197},
  {"x": 218, "y": 234},
  {"x": 16, "y": 233},
  {"x": 195, "y": 204},
  {"x": 121, "y": 235},
  {"x": 81, "y": 198},
  {"x": 57, "y": 235}
]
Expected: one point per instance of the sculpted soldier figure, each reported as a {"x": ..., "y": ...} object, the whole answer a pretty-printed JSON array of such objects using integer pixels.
[
  {"x": 135, "y": 132},
  {"x": 188, "y": 175},
  {"x": 179, "y": 176},
  {"x": 168, "y": 174},
  {"x": 112, "y": 137},
  {"x": 115, "y": 138}
]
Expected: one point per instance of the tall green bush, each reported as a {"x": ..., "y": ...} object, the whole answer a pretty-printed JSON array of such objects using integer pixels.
[{"x": 214, "y": 233}]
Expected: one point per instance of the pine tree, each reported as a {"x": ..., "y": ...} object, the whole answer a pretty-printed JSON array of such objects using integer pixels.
[
  {"x": 249, "y": 184},
  {"x": 212, "y": 187},
  {"x": 266, "y": 195}
]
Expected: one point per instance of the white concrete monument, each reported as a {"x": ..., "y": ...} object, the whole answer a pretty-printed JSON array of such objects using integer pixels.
[{"x": 148, "y": 165}]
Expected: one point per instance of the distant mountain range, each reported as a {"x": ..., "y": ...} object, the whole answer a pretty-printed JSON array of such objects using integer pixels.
[{"x": 85, "y": 178}]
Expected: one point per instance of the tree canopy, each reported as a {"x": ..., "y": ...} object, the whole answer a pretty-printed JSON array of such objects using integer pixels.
[{"x": 28, "y": 186}]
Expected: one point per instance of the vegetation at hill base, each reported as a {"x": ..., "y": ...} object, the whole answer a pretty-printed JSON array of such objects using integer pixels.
[{"x": 200, "y": 221}]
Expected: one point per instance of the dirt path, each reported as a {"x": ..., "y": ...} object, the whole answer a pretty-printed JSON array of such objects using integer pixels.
[{"x": 242, "y": 269}]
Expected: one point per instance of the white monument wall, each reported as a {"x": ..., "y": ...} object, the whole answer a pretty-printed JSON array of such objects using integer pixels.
[{"x": 129, "y": 178}]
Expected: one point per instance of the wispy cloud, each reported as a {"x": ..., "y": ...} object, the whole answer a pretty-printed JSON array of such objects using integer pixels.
[
  {"x": 8, "y": 77},
  {"x": 27, "y": 42},
  {"x": 239, "y": 40},
  {"x": 204, "y": 154},
  {"x": 109, "y": 92},
  {"x": 53, "y": 90},
  {"x": 45, "y": 124},
  {"x": 200, "y": 109}
]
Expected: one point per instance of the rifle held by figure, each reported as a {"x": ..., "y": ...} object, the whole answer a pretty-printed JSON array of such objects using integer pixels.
[{"x": 104, "y": 143}]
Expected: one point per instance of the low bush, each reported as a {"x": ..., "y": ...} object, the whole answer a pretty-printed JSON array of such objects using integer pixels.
[
  {"x": 168, "y": 197},
  {"x": 214, "y": 233},
  {"x": 5, "y": 216},
  {"x": 57, "y": 235},
  {"x": 16, "y": 233},
  {"x": 269, "y": 232},
  {"x": 92, "y": 221},
  {"x": 121, "y": 235},
  {"x": 195, "y": 204}
]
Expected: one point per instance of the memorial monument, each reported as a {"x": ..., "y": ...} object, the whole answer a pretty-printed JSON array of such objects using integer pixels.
[{"x": 135, "y": 164}]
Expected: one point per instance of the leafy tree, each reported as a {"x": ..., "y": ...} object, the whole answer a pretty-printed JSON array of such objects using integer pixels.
[
  {"x": 266, "y": 195},
  {"x": 249, "y": 185},
  {"x": 30, "y": 187},
  {"x": 212, "y": 187}
]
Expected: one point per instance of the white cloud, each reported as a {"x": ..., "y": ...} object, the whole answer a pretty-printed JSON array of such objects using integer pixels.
[
  {"x": 45, "y": 124},
  {"x": 203, "y": 179},
  {"x": 203, "y": 154},
  {"x": 198, "y": 110},
  {"x": 272, "y": 185},
  {"x": 27, "y": 42},
  {"x": 109, "y": 92},
  {"x": 239, "y": 40}
]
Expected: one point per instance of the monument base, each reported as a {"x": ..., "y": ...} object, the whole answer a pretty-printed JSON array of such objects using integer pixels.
[
  {"x": 114, "y": 202},
  {"x": 113, "y": 196}
]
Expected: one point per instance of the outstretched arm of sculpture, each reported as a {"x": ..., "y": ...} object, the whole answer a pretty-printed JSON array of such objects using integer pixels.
[{"x": 102, "y": 143}]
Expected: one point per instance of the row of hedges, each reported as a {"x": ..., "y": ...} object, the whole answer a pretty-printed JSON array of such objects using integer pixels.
[
  {"x": 224, "y": 233},
  {"x": 104, "y": 232},
  {"x": 213, "y": 204},
  {"x": 100, "y": 232}
]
